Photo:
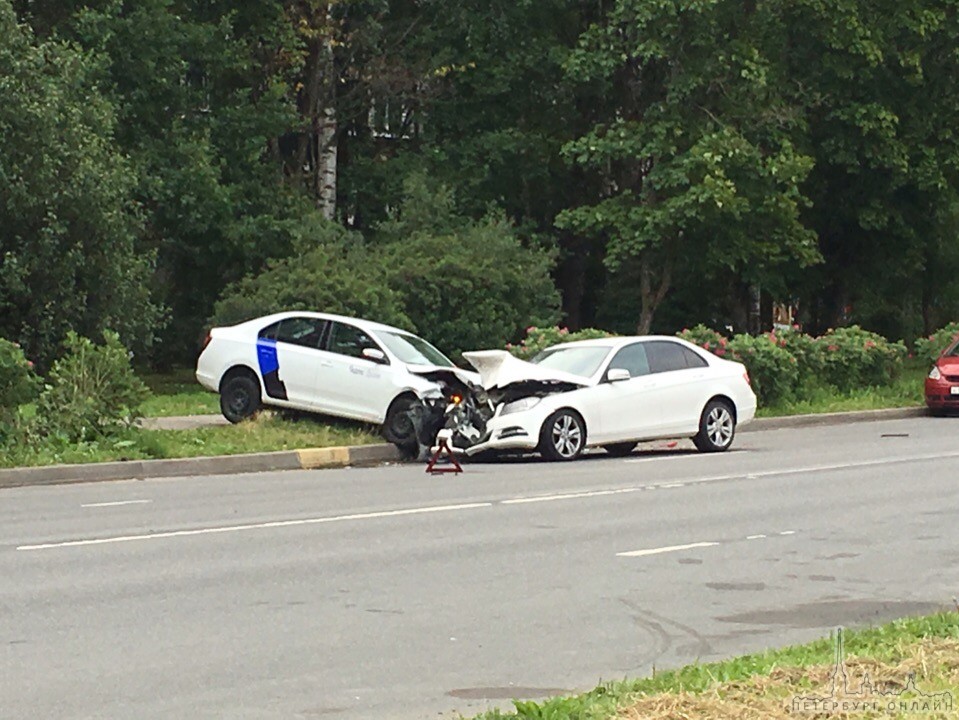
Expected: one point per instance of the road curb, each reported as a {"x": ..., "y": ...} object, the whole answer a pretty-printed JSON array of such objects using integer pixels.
[
  {"x": 839, "y": 418},
  {"x": 333, "y": 457},
  {"x": 305, "y": 459}
]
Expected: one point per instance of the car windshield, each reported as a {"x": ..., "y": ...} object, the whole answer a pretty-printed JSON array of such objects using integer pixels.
[
  {"x": 577, "y": 360},
  {"x": 953, "y": 351},
  {"x": 413, "y": 350}
]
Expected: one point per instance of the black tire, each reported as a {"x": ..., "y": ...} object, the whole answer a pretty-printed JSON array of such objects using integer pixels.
[
  {"x": 240, "y": 398},
  {"x": 619, "y": 449},
  {"x": 398, "y": 427},
  {"x": 938, "y": 412},
  {"x": 717, "y": 427},
  {"x": 563, "y": 436}
]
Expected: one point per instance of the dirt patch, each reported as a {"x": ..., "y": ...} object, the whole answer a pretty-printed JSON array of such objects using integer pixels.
[{"x": 934, "y": 663}]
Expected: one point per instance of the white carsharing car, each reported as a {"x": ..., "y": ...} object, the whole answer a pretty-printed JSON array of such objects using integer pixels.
[
  {"x": 610, "y": 393},
  {"x": 333, "y": 365}
]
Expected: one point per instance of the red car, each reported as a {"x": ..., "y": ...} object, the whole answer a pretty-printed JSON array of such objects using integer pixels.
[{"x": 942, "y": 383}]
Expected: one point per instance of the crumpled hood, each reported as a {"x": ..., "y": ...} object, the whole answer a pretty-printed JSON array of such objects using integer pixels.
[
  {"x": 498, "y": 369},
  {"x": 464, "y": 376}
]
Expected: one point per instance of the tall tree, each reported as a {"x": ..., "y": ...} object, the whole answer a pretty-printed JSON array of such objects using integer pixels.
[
  {"x": 69, "y": 256},
  {"x": 698, "y": 166}
]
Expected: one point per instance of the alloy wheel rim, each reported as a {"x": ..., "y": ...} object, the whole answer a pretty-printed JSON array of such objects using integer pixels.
[
  {"x": 241, "y": 401},
  {"x": 567, "y": 436},
  {"x": 719, "y": 427}
]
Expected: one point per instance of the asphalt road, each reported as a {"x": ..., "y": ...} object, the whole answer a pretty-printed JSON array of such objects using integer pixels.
[{"x": 388, "y": 593}]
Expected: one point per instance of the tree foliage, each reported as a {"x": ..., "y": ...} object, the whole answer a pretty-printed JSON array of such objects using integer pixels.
[
  {"x": 70, "y": 250},
  {"x": 663, "y": 160}
]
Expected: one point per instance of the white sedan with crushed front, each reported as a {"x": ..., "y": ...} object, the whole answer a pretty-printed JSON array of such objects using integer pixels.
[
  {"x": 612, "y": 393},
  {"x": 329, "y": 364}
]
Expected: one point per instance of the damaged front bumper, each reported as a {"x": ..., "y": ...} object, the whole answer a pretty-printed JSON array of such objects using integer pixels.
[{"x": 480, "y": 418}]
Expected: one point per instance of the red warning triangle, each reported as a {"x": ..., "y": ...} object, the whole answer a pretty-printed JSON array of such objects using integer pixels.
[{"x": 451, "y": 465}]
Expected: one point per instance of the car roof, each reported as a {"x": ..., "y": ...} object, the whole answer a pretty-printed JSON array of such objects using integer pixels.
[
  {"x": 617, "y": 341},
  {"x": 358, "y": 322}
]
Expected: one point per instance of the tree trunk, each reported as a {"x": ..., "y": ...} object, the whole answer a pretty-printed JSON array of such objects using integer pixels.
[
  {"x": 326, "y": 151},
  {"x": 651, "y": 297},
  {"x": 316, "y": 152},
  {"x": 755, "y": 309}
]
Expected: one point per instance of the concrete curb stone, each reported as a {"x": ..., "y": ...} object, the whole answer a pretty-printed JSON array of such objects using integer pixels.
[{"x": 316, "y": 458}]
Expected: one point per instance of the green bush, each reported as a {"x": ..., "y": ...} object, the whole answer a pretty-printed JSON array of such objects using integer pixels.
[
  {"x": 930, "y": 348},
  {"x": 18, "y": 386},
  {"x": 810, "y": 359},
  {"x": 92, "y": 391},
  {"x": 476, "y": 287},
  {"x": 706, "y": 338},
  {"x": 773, "y": 371},
  {"x": 538, "y": 339},
  {"x": 344, "y": 278},
  {"x": 855, "y": 358}
]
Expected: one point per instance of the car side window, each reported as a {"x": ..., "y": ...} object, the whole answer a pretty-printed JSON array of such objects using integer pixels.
[
  {"x": 269, "y": 332},
  {"x": 632, "y": 358},
  {"x": 350, "y": 340},
  {"x": 302, "y": 331},
  {"x": 693, "y": 359},
  {"x": 665, "y": 356}
]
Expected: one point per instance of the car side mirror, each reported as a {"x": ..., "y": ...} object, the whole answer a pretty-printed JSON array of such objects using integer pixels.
[
  {"x": 376, "y": 355},
  {"x": 618, "y": 375}
]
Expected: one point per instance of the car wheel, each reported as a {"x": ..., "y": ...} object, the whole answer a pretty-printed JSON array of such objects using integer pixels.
[
  {"x": 563, "y": 436},
  {"x": 619, "y": 449},
  {"x": 398, "y": 428},
  {"x": 717, "y": 427},
  {"x": 240, "y": 398},
  {"x": 938, "y": 412}
]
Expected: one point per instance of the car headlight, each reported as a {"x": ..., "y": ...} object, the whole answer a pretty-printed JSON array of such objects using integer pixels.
[
  {"x": 934, "y": 374},
  {"x": 522, "y": 405}
]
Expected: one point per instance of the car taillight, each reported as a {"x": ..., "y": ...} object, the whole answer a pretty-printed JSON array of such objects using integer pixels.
[
  {"x": 206, "y": 341},
  {"x": 746, "y": 377}
]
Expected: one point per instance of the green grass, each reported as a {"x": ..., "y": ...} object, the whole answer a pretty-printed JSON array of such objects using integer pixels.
[
  {"x": 886, "y": 645},
  {"x": 178, "y": 393},
  {"x": 267, "y": 433},
  {"x": 905, "y": 391}
]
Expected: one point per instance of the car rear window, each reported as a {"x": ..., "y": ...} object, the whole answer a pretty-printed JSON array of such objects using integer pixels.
[
  {"x": 665, "y": 356},
  {"x": 303, "y": 331}
]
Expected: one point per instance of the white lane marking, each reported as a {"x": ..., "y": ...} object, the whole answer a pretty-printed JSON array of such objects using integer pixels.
[
  {"x": 788, "y": 532},
  {"x": 256, "y": 526},
  {"x": 755, "y": 537},
  {"x": 673, "y": 485},
  {"x": 666, "y": 549},
  {"x": 117, "y": 503},
  {"x": 567, "y": 496}
]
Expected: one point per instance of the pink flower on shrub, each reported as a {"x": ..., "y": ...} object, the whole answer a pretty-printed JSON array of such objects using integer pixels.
[
  {"x": 564, "y": 331},
  {"x": 832, "y": 348},
  {"x": 509, "y": 346},
  {"x": 30, "y": 364},
  {"x": 795, "y": 326},
  {"x": 870, "y": 344},
  {"x": 910, "y": 356},
  {"x": 530, "y": 329},
  {"x": 706, "y": 345},
  {"x": 720, "y": 352},
  {"x": 722, "y": 342}
]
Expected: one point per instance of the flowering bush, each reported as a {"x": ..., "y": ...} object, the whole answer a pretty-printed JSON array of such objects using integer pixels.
[
  {"x": 773, "y": 370},
  {"x": 930, "y": 348},
  {"x": 706, "y": 338},
  {"x": 855, "y": 358},
  {"x": 538, "y": 339},
  {"x": 807, "y": 351}
]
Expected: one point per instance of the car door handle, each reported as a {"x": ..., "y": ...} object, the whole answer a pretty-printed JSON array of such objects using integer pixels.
[{"x": 326, "y": 363}]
